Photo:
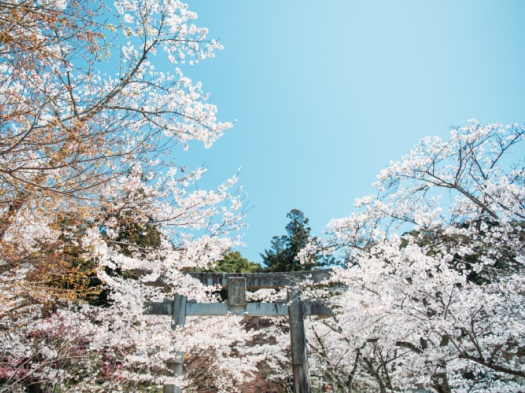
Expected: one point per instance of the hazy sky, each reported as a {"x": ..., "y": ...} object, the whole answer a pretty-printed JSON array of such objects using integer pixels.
[{"x": 326, "y": 93}]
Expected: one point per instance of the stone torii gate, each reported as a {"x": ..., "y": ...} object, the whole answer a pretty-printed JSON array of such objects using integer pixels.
[{"x": 236, "y": 283}]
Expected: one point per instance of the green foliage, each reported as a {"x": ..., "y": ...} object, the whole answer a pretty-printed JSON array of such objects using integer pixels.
[
  {"x": 281, "y": 257},
  {"x": 233, "y": 262}
]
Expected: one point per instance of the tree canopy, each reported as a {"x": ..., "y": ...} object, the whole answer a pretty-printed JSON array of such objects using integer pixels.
[
  {"x": 439, "y": 307},
  {"x": 282, "y": 256},
  {"x": 91, "y": 192},
  {"x": 232, "y": 262}
]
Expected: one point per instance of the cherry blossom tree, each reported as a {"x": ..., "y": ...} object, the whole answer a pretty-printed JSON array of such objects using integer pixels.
[
  {"x": 432, "y": 294},
  {"x": 91, "y": 193}
]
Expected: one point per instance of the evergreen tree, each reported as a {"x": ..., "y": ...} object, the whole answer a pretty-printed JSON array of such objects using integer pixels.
[{"x": 281, "y": 257}]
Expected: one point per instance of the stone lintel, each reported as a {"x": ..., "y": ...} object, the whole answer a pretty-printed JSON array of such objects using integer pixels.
[{"x": 257, "y": 280}]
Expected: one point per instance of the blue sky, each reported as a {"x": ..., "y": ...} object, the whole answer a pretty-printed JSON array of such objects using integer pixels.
[{"x": 327, "y": 93}]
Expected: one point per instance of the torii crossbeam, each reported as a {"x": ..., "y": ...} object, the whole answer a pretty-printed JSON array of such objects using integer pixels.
[{"x": 295, "y": 308}]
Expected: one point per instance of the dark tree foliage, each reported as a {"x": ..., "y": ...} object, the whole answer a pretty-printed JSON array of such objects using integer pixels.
[
  {"x": 281, "y": 257},
  {"x": 233, "y": 262},
  {"x": 76, "y": 277}
]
